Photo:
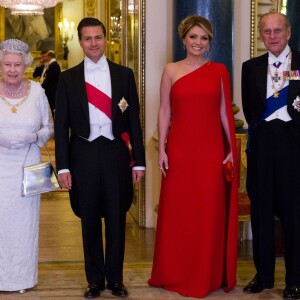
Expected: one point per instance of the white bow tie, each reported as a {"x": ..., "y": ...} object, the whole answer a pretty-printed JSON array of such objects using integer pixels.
[{"x": 98, "y": 66}]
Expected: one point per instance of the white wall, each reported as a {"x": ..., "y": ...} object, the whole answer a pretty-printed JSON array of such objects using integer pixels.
[{"x": 158, "y": 53}]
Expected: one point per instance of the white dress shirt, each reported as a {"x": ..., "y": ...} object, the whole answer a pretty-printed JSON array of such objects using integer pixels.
[
  {"x": 42, "y": 78},
  {"x": 98, "y": 75}
]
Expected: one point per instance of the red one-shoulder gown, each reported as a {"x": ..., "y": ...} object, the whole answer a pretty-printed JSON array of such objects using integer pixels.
[{"x": 197, "y": 228}]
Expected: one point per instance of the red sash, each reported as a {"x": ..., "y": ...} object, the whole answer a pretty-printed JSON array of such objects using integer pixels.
[{"x": 99, "y": 99}]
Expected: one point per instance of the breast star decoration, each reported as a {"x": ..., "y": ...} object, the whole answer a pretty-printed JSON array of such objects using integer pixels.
[
  {"x": 296, "y": 103},
  {"x": 123, "y": 104}
]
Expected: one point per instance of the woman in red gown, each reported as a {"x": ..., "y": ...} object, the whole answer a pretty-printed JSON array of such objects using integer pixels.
[{"x": 197, "y": 229}]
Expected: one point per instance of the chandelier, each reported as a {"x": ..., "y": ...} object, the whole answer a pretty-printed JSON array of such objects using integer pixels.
[{"x": 28, "y": 7}]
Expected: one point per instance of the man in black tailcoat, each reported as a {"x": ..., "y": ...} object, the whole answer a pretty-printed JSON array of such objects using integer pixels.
[
  {"x": 48, "y": 71},
  {"x": 99, "y": 154},
  {"x": 271, "y": 104}
]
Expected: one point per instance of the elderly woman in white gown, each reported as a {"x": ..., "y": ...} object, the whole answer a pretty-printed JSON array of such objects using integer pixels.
[{"x": 25, "y": 119}]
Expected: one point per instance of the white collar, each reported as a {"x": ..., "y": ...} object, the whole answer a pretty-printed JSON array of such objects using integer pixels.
[
  {"x": 102, "y": 59},
  {"x": 281, "y": 58}
]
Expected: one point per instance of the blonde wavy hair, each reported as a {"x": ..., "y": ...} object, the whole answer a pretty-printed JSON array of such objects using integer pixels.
[{"x": 191, "y": 21}]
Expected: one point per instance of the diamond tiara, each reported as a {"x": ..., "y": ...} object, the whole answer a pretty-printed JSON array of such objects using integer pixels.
[{"x": 15, "y": 46}]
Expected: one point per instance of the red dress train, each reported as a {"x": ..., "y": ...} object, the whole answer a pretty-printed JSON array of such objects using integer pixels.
[{"x": 197, "y": 228}]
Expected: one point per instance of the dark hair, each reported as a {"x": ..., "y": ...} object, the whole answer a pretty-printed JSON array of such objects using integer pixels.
[
  {"x": 191, "y": 21},
  {"x": 44, "y": 51},
  {"x": 87, "y": 22},
  {"x": 51, "y": 53}
]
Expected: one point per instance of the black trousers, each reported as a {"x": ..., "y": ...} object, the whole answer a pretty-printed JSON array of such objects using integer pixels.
[
  {"x": 273, "y": 185},
  {"x": 102, "y": 181}
]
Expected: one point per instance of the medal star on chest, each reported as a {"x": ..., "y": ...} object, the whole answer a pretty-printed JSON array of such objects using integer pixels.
[{"x": 123, "y": 104}]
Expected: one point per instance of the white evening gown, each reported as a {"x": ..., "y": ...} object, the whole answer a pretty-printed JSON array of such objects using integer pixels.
[{"x": 19, "y": 216}]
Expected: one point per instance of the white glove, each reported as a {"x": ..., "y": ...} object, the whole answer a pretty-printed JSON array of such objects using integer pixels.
[
  {"x": 30, "y": 138},
  {"x": 5, "y": 141}
]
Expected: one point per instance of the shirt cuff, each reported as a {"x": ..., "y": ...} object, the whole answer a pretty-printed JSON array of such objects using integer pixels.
[
  {"x": 63, "y": 171},
  {"x": 139, "y": 168}
]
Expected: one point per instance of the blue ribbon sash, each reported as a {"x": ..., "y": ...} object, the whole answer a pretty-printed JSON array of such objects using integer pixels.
[{"x": 273, "y": 104}]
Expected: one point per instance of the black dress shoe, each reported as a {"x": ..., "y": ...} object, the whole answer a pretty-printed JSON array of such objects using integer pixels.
[
  {"x": 291, "y": 293},
  {"x": 118, "y": 289},
  {"x": 256, "y": 286},
  {"x": 93, "y": 290}
]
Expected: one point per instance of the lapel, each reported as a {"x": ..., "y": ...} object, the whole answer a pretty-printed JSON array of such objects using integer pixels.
[
  {"x": 261, "y": 71},
  {"x": 116, "y": 84},
  {"x": 80, "y": 89},
  {"x": 294, "y": 85}
]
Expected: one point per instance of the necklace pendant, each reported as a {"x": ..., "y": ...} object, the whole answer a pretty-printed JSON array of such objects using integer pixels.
[
  {"x": 13, "y": 110},
  {"x": 276, "y": 94}
]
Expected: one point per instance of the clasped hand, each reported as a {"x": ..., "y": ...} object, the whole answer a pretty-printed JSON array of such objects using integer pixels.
[{"x": 17, "y": 141}]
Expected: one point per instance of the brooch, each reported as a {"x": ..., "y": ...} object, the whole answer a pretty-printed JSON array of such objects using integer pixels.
[
  {"x": 123, "y": 104},
  {"x": 296, "y": 103}
]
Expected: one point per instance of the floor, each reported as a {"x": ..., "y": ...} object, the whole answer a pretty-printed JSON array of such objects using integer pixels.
[{"x": 61, "y": 269}]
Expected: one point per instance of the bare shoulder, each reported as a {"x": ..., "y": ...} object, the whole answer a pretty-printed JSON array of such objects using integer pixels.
[
  {"x": 173, "y": 66},
  {"x": 174, "y": 70},
  {"x": 170, "y": 67}
]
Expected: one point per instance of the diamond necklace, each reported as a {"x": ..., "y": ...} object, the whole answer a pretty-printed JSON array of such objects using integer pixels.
[
  {"x": 11, "y": 93},
  {"x": 194, "y": 66},
  {"x": 15, "y": 106}
]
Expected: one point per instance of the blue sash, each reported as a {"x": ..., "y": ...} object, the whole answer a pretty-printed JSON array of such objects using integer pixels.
[{"x": 273, "y": 104}]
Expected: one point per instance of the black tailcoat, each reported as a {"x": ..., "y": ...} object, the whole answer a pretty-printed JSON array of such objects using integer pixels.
[
  {"x": 101, "y": 175},
  {"x": 273, "y": 171}
]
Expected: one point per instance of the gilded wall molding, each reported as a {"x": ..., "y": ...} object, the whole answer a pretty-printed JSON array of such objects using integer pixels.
[
  {"x": 90, "y": 8},
  {"x": 258, "y": 8},
  {"x": 142, "y": 64}
]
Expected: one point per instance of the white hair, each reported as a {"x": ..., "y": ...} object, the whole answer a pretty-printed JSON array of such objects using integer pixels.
[{"x": 18, "y": 47}]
